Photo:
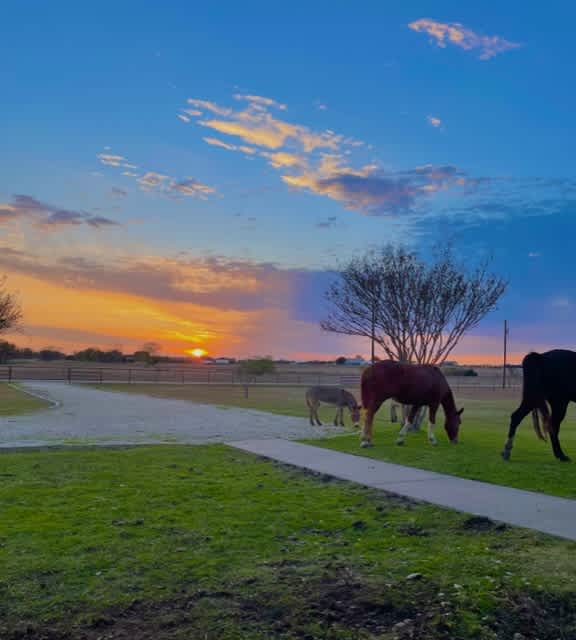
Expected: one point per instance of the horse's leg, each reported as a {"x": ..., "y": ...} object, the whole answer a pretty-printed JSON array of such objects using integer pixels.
[
  {"x": 366, "y": 440},
  {"x": 341, "y": 416},
  {"x": 515, "y": 419},
  {"x": 316, "y": 418},
  {"x": 337, "y": 416},
  {"x": 407, "y": 424},
  {"x": 431, "y": 424},
  {"x": 309, "y": 402},
  {"x": 558, "y": 414}
]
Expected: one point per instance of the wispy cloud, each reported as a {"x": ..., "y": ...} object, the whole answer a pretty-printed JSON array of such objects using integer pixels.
[
  {"x": 341, "y": 168},
  {"x": 115, "y": 161},
  {"x": 27, "y": 209},
  {"x": 321, "y": 161},
  {"x": 284, "y": 159},
  {"x": 255, "y": 125},
  {"x": 215, "y": 142},
  {"x": 149, "y": 181},
  {"x": 261, "y": 101},
  {"x": 444, "y": 33}
]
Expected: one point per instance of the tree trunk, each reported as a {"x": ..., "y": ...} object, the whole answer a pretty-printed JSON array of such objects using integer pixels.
[{"x": 393, "y": 412}]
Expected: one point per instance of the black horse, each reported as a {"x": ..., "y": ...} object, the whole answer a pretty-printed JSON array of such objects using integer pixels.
[{"x": 549, "y": 386}]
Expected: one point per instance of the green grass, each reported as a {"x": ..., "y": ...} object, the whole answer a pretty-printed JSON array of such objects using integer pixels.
[
  {"x": 483, "y": 433},
  {"x": 477, "y": 455},
  {"x": 15, "y": 402},
  {"x": 207, "y": 542}
]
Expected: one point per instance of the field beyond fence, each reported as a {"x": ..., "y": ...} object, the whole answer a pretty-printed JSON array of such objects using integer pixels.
[{"x": 75, "y": 373}]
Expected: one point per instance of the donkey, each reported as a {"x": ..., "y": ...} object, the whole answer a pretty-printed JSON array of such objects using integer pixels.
[
  {"x": 335, "y": 396},
  {"x": 418, "y": 385}
]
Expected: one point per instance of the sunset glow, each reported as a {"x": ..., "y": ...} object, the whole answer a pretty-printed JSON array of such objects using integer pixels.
[
  {"x": 208, "y": 212},
  {"x": 198, "y": 353}
]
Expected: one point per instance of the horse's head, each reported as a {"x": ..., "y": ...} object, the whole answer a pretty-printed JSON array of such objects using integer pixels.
[
  {"x": 452, "y": 425},
  {"x": 355, "y": 414}
]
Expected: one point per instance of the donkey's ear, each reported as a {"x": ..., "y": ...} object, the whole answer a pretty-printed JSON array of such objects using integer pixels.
[{"x": 461, "y": 411}]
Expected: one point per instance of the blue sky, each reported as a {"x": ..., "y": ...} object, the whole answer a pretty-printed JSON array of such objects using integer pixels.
[{"x": 265, "y": 142}]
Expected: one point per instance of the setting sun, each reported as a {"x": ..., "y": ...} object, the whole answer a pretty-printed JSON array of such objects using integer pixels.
[{"x": 197, "y": 353}]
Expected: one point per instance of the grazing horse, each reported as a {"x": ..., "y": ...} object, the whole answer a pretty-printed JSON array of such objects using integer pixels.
[
  {"x": 418, "y": 385},
  {"x": 549, "y": 379},
  {"x": 335, "y": 396}
]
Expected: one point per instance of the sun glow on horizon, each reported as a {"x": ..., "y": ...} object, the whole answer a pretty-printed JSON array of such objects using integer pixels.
[{"x": 197, "y": 353}]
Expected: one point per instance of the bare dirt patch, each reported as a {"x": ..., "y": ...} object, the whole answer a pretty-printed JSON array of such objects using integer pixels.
[{"x": 330, "y": 602}]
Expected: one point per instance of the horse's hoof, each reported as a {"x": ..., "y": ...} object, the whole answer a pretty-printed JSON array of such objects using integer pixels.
[
  {"x": 505, "y": 455},
  {"x": 365, "y": 444},
  {"x": 399, "y": 442},
  {"x": 433, "y": 442},
  {"x": 564, "y": 459}
]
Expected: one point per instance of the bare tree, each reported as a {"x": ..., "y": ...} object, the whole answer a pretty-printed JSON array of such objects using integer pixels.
[
  {"x": 416, "y": 311},
  {"x": 10, "y": 309}
]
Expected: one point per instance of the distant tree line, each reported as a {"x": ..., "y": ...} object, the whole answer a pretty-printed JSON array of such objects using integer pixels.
[{"x": 10, "y": 352}]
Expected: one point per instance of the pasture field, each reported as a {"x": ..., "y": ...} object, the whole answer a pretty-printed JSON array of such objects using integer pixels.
[
  {"x": 14, "y": 402},
  {"x": 477, "y": 456},
  {"x": 168, "y": 543}
]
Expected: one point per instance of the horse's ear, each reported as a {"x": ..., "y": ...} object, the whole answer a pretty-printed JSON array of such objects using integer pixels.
[{"x": 461, "y": 411}]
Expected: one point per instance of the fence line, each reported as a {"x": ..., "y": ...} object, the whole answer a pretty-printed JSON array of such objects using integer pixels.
[{"x": 174, "y": 375}]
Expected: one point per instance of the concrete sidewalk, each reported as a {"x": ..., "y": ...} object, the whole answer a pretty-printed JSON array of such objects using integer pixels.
[{"x": 548, "y": 514}]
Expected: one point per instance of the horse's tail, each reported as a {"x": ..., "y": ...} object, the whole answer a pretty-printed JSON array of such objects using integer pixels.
[{"x": 533, "y": 392}]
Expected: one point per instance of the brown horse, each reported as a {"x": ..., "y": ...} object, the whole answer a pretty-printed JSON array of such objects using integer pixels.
[
  {"x": 335, "y": 396},
  {"x": 417, "y": 385}
]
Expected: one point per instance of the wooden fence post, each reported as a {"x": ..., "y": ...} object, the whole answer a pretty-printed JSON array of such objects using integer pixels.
[
  {"x": 69, "y": 375},
  {"x": 9, "y": 374}
]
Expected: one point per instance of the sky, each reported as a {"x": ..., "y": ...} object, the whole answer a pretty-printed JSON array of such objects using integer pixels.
[{"x": 193, "y": 174}]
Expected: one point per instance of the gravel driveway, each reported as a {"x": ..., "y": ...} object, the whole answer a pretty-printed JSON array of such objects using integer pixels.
[{"x": 88, "y": 416}]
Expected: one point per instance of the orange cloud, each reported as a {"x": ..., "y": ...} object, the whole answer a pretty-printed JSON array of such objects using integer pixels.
[
  {"x": 444, "y": 33},
  {"x": 255, "y": 125},
  {"x": 319, "y": 162},
  {"x": 284, "y": 159}
]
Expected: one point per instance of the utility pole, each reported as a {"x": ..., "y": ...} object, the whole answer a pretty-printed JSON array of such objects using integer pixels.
[{"x": 505, "y": 352}]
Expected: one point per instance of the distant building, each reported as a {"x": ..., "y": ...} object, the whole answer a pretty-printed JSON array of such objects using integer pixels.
[
  {"x": 355, "y": 361},
  {"x": 224, "y": 361}
]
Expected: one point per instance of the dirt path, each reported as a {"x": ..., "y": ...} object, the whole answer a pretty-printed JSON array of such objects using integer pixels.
[{"x": 84, "y": 415}]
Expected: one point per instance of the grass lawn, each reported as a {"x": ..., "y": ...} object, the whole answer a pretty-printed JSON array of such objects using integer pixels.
[
  {"x": 207, "y": 542},
  {"x": 15, "y": 402},
  {"x": 482, "y": 436}
]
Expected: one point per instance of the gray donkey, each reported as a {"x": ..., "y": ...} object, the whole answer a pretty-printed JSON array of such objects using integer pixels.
[{"x": 335, "y": 396}]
